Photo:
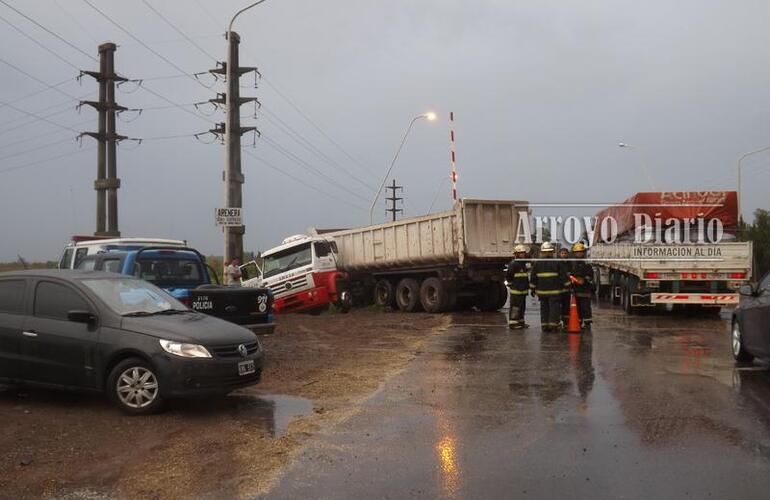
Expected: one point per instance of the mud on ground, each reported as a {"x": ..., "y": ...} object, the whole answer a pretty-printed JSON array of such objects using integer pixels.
[{"x": 64, "y": 444}]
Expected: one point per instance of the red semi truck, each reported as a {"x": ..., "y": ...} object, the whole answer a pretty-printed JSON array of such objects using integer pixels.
[{"x": 672, "y": 249}]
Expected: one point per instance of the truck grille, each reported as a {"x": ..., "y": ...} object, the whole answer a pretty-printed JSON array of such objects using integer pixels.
[
  {"x": 231, "y": 351},
  {"x": 289, "y": 286}
]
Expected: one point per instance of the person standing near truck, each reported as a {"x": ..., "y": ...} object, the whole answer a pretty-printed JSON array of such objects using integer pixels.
[
  {"x": 233, "y": 273},
  {"x": 517, "y": 278},
  {"x": 582, "y": 278},
  {"x": 564, "y": 298},
  {"x": 548, "y": 282}
]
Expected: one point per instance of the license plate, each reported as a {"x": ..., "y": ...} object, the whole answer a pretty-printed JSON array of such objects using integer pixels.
[{"x": 246, "y": 367}]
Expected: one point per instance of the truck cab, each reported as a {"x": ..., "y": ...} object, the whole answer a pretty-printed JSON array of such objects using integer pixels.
[
  {"x": 302, "y": 275},
  {"x": 184, "y": 274}
]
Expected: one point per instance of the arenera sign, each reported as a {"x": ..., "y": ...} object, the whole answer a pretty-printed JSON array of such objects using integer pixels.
[{"x": 228, "y": 217}]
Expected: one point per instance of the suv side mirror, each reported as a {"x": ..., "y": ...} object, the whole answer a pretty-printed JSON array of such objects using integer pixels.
[
  {"x": 746, "y": 290},
  {"x": 78, "y": 316}
]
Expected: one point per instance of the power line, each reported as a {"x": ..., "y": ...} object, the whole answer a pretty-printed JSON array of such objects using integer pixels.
[
  {"x": 291, "y": 132},
  {"x": 38, "y": 80},
  {"x": 37, "y": 136},
  {"x": 48, "y": 87},
  {"x": 25, "y": 16},
  {"x": 305, "y": 165},
  {"x": 37, "y": 148},
  {"x": 140, "y": 42},
  {"x": 36, "y": 42},
  {"x": 301, "y": 181},
  {"x": 25, "y": 165},
  {"x": 182, "y": 33},
  {"x": 17, "y": 125},
  {"x": 38, "y": 117}
]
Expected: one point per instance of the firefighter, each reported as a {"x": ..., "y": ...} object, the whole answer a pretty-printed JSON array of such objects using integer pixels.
[
  {"x": 517, "y": 278},
  {"x": 548, "y": 283},
  {"x": 564, "y": 298},
  {"x": 582, "y": 284}
]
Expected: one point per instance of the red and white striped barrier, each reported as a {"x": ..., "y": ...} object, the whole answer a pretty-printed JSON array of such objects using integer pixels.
[
  {"x": 452, "y": 155},
  {"x": 694, "y": 298}
]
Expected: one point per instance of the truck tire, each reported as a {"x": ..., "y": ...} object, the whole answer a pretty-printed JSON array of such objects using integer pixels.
[
  {"x": 626, "y": 301},
  {"x": 408, "y": 295},
  {"x": 384, "y": 293},
  {"x": 488, "y": 299},
  {"x": 434, "y": 296}
]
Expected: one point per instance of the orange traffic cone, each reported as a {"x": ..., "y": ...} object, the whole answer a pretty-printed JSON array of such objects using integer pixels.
[{"x": 573, "y": 325}]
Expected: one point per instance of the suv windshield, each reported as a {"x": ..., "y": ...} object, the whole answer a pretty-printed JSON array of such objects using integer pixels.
[
  {"x": 285, "y": 260},
  {"x": 133, "y": 297},
  {"x": 168, "y": 272}
]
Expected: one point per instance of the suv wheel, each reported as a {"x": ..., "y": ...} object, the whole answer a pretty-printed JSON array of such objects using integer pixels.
[{"x": 133, "y": 386}]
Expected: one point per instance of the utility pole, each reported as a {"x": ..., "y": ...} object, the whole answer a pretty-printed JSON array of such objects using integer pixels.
[
  {"x": 233, "y": 176},
  {"x": 393, "y": 199},
  {"x": 107, "y": 182}
]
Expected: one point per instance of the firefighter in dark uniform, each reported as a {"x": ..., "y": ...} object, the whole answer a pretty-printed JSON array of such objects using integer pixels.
[
  {"x": 564, "y": 298},
  {"x": 517, "y": 278},
  {"x": 548, "y": 282},
  {"x": 582, "y": 285}
]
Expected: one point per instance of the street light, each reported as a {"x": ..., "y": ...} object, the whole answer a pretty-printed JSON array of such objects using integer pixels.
[
  {"x": 740, "y": 160},
  {"x": 430, "y": 116},
  {"x": 641, "y": 161}
]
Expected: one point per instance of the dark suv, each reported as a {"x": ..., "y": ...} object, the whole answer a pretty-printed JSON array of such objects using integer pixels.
[{"x": 117, "y": 334}]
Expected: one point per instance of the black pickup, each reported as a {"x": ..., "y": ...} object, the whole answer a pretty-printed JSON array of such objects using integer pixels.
[{"x": 243, "y": 306}]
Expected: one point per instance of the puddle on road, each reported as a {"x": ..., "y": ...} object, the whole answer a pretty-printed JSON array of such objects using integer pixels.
[{"x": 273, "y": 411}]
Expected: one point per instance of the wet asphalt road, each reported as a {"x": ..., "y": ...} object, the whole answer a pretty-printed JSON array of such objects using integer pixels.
[{"x": 642, "y": 407}]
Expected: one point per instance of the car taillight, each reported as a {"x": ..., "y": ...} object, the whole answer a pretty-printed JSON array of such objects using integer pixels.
[
  {"x": 186, "y": 301},
  {"x": 651, "y": 276},
  {"x": 737, "y": 276}
]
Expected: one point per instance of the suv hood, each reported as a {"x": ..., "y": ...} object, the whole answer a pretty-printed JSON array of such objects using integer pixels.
[{"x": 190, "y": 327}]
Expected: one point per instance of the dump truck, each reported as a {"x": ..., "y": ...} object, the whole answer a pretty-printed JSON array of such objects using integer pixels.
[
  {"x": 673, "y": 249},
  {"x": 437, "y": 262}
]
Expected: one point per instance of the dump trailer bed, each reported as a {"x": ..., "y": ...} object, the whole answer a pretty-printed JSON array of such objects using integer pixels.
[{"x": 476, "y": 232}]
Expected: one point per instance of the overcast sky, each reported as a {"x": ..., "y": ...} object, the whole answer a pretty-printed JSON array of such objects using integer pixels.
[{"x": 542, "y": 92}]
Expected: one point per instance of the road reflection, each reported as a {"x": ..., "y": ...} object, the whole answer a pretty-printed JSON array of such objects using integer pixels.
[{"x": 446, "y": 453}]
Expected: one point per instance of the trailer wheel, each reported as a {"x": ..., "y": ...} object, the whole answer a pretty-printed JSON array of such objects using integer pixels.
[
  {"x": 434, "y": 295},
  {"x": 384, "y": 293},
  {"x": 627, "y": 307},
  {"x": 490, "y": 297},
  {"x": 408, "y": 295}
]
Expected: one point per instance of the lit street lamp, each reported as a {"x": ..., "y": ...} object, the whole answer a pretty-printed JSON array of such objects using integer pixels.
[
  {"x": 641, "y": 161},
  {"x": 740, "y": 161},
  {"x": 430, "y": 116}
]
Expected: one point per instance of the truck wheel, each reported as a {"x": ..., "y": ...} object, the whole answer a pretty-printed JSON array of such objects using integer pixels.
[
  {"x": 408, "y": 295},
  {"x": 488, "y": 298},
  {"x": 384, "y": 293},
  {"x": 434, "y": 295},
  {"x": 502, "y": 296},
  {"x": 627, "y": 307}
]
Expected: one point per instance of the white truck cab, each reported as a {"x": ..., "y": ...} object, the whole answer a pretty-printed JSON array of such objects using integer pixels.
[
  {"x": 302, "y": 274},
  {"x": 80, "y": 246}
]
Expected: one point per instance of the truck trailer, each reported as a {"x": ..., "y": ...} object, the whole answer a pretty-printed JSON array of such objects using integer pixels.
[
  {"x": 673, "y": 249},
  {"x": 437, "y": 262}
]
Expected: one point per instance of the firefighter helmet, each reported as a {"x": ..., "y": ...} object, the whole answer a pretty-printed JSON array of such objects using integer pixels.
[
  {"x": 546, "y": 247},
  {"x": 578, "y": 247},
  {"x": 520, "y": 249}
]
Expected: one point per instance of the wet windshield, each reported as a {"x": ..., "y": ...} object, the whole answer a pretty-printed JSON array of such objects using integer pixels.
[
  {"x": 133, "y": 297},
  {"x": 285, "y": 260},
  {"x": 169, "y": 272}
]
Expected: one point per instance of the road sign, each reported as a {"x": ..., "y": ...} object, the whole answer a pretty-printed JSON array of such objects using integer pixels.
[{"x": 228, "y": 217}]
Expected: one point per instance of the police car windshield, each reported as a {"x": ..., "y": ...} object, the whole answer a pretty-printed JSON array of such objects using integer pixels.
[{"x": 291, "y": 258}]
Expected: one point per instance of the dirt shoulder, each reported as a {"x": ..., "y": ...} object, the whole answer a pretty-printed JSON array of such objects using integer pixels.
[{"x": 57, "y": 444}]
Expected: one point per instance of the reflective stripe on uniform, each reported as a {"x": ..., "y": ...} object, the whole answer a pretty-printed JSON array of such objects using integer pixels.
[
  {"x": 548, "y": 292},
  {"x": 520, "y": 275},
  {"x": 519, "y": 292},
  {"x": 547, "y": 275}
]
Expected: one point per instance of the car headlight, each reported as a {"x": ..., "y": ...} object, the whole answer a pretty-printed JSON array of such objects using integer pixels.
[{"x": 184, "y": 350}]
